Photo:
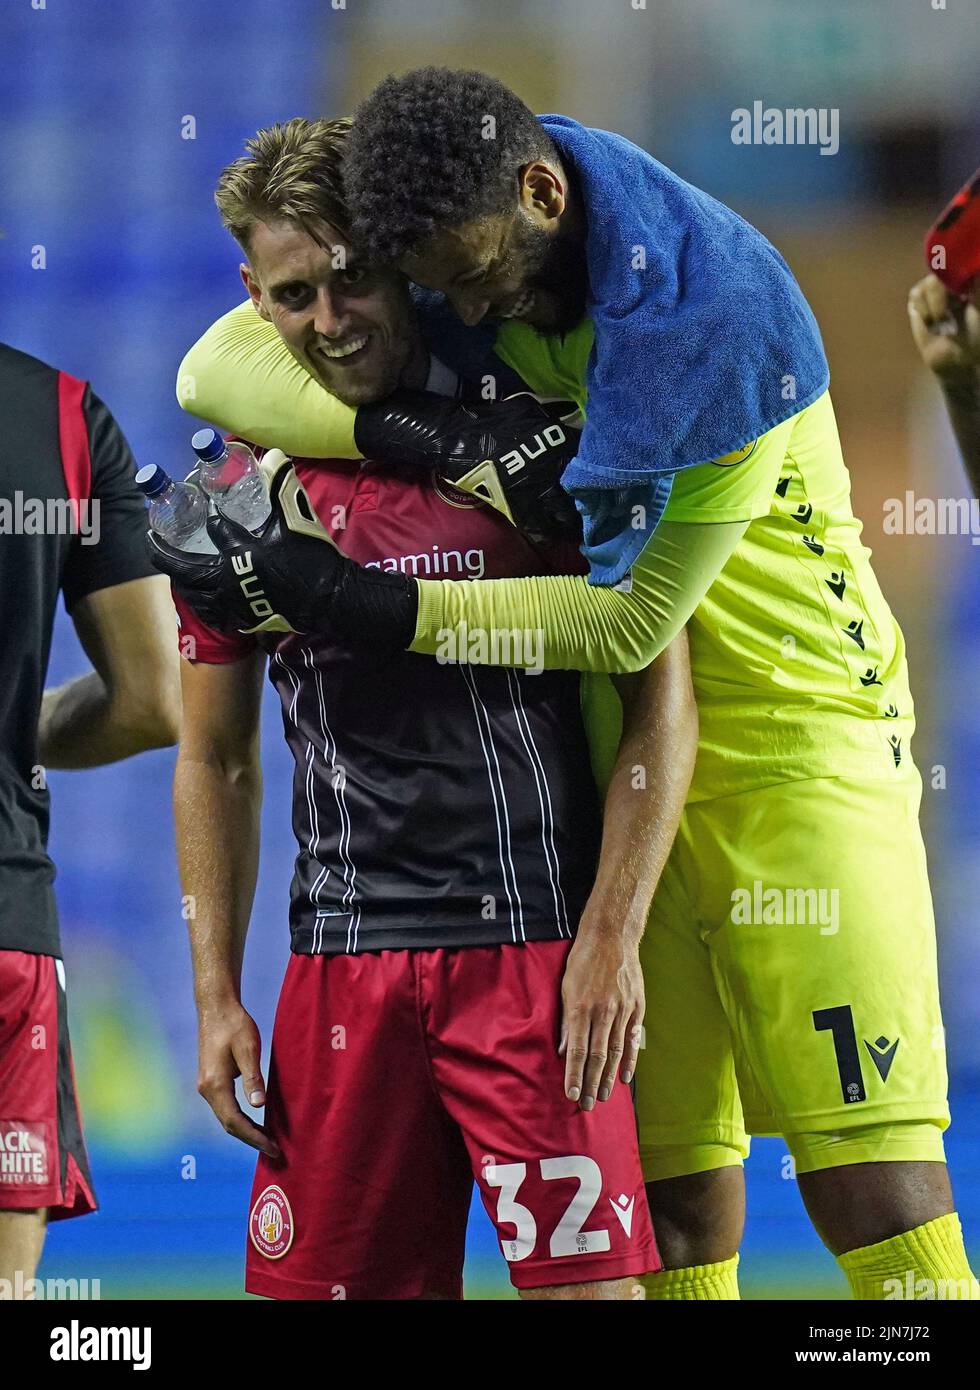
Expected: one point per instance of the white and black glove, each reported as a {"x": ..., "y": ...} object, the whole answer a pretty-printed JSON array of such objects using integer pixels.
[{"x": 289, "y": 576}]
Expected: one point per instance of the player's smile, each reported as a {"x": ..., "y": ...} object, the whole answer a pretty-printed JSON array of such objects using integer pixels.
[
  {"x": 520, "y": 308},
  {"x": 358, "y": 365},
  {"x": 341, "y": 352},
  {"x": 330, "y": 358}
]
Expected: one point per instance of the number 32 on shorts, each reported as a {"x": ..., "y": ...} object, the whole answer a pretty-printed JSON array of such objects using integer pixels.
[{"x": 568, "y": 1238}]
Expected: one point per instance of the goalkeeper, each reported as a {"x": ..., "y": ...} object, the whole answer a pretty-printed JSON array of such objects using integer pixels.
[{"x": 790, "y": 960}]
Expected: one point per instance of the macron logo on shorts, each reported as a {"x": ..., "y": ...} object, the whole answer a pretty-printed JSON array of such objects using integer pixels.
[
  {"x": 623, "y": 1207},
  {"x": 23, "y": 1153}
]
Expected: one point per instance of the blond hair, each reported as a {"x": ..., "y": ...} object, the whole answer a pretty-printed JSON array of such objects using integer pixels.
[{"x": 291, "y": 172}]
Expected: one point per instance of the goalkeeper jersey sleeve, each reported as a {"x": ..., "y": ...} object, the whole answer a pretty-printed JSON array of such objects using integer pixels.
[
  {"x": 583, "y": 627},
  {"x": 241, "y": 376}
]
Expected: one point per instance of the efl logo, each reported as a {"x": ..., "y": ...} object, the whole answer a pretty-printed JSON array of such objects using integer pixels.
[{"x": 270, "y": 1225}]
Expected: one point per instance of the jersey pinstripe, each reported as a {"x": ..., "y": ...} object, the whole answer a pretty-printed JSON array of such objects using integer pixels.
[{"x": 434, "y": 804}]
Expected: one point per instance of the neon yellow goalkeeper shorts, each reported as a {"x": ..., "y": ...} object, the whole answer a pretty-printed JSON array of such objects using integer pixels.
[{"x": 791, "y": 985}]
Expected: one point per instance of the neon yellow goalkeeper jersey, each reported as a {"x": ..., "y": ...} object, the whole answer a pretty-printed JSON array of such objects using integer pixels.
[{"x": 798, "y": 663}]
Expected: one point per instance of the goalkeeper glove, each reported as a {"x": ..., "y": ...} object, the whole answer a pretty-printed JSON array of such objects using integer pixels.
[
  {"x": 510, "y": 453},
  {"x": 288, "y": 576}
]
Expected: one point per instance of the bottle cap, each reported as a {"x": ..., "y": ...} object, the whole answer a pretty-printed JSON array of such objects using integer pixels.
[
  {"x": 208, "y": 445},
  {"x": 152, "y": 480}
]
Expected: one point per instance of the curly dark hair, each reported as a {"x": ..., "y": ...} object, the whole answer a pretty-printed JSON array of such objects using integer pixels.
[{"x": 434, "y": 149}]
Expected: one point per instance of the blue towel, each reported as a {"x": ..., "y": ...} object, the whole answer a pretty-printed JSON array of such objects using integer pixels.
[{"x": 700, "y": 352}]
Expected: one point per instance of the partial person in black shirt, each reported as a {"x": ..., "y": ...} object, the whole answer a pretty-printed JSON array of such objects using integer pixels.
[{"x": 71, "y": 522}]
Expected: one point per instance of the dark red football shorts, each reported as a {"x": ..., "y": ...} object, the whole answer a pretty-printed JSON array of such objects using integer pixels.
[
  {"x": 42, "y": 1153},
  {"x": 398, "y": 1077}
]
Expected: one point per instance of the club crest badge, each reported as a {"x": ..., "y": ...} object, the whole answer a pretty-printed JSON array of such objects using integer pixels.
[
  {"x": 739, "y": 456},
  {"x": 270, "y": 1225},
  {"x": 455, "y": 496}
]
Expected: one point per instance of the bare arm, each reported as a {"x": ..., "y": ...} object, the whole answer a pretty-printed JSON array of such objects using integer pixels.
[
  {"x": 947, "y": 333},
  {"x": 647, "y": 790},
  {"x": 131, "y": 701},
  {"x": 217, "y": 800},
  {"x": 603, "y": 985},
  {"x": 963, "y": 404}
]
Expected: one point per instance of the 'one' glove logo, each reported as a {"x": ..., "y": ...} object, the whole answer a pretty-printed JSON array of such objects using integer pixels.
[
  {"x": 250, "y": 585},
  {"x": 551, "y": 436}
]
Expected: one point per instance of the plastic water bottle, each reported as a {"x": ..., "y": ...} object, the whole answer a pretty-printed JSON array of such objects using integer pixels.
[
  {"x": 178, "y": 511},
  {"x": 229, "y": 475}
]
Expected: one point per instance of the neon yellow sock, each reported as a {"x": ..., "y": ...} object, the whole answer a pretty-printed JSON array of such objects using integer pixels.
[
  {"x": 925, "y": 1263},
  {"x": 706, "y": 1283}
]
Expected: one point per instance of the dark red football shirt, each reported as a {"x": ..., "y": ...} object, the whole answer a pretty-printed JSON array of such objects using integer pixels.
[{"x": 433, "y": 804}]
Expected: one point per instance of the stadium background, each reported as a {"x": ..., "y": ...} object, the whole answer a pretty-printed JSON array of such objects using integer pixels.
[{"x": 116, "y": 120}]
